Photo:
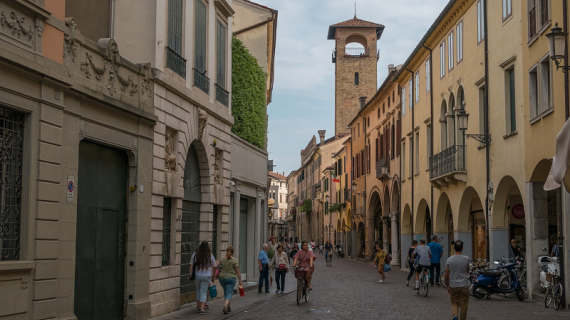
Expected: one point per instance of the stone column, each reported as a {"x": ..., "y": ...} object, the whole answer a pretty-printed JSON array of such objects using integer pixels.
[
  {"x": 236, "y": 218},
  {"x": 385, "y": 237},
  {"x": 395, "y": 245}
]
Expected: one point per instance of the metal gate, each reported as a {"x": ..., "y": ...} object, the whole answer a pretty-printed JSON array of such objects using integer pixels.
[{"x": 101, "y": 225}]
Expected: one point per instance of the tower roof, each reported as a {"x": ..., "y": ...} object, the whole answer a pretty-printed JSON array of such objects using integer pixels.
[{"x": 355, "y": 23}]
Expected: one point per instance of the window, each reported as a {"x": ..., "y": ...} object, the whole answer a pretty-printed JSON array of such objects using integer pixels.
[
  {"x": 359, "y": 129},
  {"x": 410, "y": 93},
  {"x": 339, "y": 167},
  {"x": 411, "y": 164},
  {"x": 442, "y": 60},
  {"x": 383, "y": 107},
  {"x": 459, "y": 32},
  {"x": 174, "y": 60},
  {"x": 11, "y": 131},
  {"x": 545, "y": 85},
  {"x": 393, "y": 96},
  {"x": 404, "y": 100},
  {"x": 510, "y": 101},
  {"x": 428, "y": 143},
  {"x": 544, "y": 12},
  {"x": 221, "y": 55},
  {"x": 450, "y": 55},
  {"x": 200, "y": 32},
  {"x": 356, "y": 78},
  {"x": 482, "y": 120},
  {"x": 403, "y": 160},
  {"x": 378, "y": 113},
  {"x": 417, "y": 159},
  {"x": 531, "y": 7},
  {"x": 427, "y": 75},
  {"x": 393, "y": 142},
  {"x": 166, "y": 219},
  {"x": 388, "y": 103},
  {"x": 368, "y": 121},
  {"x": 364, "y": 126},
  {"x": 480, "y": 21},
  {"x": 417, "y": 86},
  {"x": 507, "y": 9}
]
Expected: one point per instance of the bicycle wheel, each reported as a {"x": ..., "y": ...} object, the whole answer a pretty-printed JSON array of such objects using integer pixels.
[
  {"x": 548, "y": 297},
  {"x": 421, "y": 286},
  {"x": 442, "y": 280},
  {"x": 306, "y": 293},
  {"x": 426, "y": 285},
  {"x": 557, "y": 296},
  {"x": 299, "y": 290}
]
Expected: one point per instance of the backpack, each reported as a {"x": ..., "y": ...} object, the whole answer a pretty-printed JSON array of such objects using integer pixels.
[{"x": 387, "y": 259}]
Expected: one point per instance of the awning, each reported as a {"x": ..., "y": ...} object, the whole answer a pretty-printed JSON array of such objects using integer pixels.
[{"x": 559, "y": 173}]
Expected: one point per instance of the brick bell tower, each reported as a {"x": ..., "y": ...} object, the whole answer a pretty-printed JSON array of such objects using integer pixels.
[{"x": 355, "y": 67}]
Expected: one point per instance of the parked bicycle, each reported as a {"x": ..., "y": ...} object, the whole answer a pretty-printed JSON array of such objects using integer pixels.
[
  {"x": 551, "y": 281},
  {"x": 302, "y": 287}
]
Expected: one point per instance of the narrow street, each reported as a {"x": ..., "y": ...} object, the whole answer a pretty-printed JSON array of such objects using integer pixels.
[{"x": 350, "y": 290}]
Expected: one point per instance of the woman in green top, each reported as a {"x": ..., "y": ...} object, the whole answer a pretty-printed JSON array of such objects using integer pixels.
[
  {"x": 380, "y": 256},
  {"x": 229, "y": 271}
]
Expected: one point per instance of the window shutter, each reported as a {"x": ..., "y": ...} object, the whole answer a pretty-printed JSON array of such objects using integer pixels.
[
  {"x": 399, "y": 135},
  {"x": 200, "y": 33},
  {"x": 388, "y": 144},
  {"x": 221, "y": 55},
  {"x": 376, "y": 149},
  {"x": 512, "y": 100}
]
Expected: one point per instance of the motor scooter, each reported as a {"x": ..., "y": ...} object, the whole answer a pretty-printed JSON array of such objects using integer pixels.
[
  {"x": 548, "y": 265},
  {"x": 499, "y": 281},
  {"x": 339, "y": 251}
]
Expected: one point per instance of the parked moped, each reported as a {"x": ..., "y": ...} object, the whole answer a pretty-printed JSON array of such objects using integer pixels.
[
  {"x": 499, "y": 281},
  {"x": 339, "y": 251}
]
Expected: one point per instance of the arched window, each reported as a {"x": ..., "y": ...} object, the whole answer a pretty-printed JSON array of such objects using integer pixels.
[
  {"x": 451, "y": 122},
  {"x": 443, "y": 122},
  {"x": 356, "y": 80}
]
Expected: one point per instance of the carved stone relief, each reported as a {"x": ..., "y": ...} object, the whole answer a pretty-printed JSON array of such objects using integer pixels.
[
  {"x": 69, "y": 46},
  {"x": 169, "y": 152},
  {"x": 202, "y": 120},
  {"x": 17, "y": 25},
  {"x": 218, "y": 167},
  {"x": 147, "y": 83}
]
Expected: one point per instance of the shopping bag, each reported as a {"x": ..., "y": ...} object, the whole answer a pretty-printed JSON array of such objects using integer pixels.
[
  {"x": 387, "y": 268},
  {"x": 241, "y": 291},
  {"x": 213, "y": 292}
]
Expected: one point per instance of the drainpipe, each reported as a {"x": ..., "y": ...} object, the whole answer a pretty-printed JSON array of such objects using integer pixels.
[
  {"x": 362, "y": 103},
  {"x": 431, "y": 131},
  {"x": 412, "y": 104},
  {"x": 486, "y": 129},
  {"x": 560, "y": 189}
]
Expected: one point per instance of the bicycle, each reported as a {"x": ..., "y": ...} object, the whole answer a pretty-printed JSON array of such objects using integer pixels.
[
  {"x": 302, "y": 288},
  {"x": 329, "y": 258},
  {"x": 553, "y": 291},
  {"x": 424, "y": 282}
]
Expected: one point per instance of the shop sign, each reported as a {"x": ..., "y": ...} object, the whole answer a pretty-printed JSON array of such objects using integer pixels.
[{"x": 518, "y": 211}]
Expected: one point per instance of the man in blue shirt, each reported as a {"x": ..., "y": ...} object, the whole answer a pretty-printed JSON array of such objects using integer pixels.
[
  {"x": 263, "y": 261},
  {"x": 436, "y": 253}
]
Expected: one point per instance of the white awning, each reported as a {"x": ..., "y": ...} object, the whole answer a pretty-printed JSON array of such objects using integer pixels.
[{"x": 559, "y": 173}]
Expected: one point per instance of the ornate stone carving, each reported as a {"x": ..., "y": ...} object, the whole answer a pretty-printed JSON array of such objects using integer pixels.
[
  {"x": 169, "y": 153},
  {"x": 146, "y": 82},
  {"x": 202, "y": 120},
  {"x": 111, "y": 60},
  {"x": 69, "y": 46},
  {"x": 17, "y": 24},
  {"x": 218, "y": 167}
]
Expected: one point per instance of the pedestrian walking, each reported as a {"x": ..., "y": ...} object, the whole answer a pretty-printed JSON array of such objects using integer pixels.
[
  {"x": 229, "y": 273},
  {"x": 280, "y": 263},
  {"x": 422, "y": 260},
  {"x": 263, "y": 261},
  {"x": 328, "y": 248},
  {"x": 205, "y": 271},
  {"x": 272, "y": 249},
  {"x": 380, "y": 257},
  {"x": 294, "y": 250},
  {"x": 409, "y": 261},
  {"x": 456, "y": 279},
  {"x": 436, "y": 255}
]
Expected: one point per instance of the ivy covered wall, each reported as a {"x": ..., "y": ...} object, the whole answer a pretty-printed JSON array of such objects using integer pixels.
[{"x": 248, "y": 96}]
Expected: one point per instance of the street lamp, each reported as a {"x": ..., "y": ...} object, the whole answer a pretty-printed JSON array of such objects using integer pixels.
[
  {"x": 384, "y": 168},
  {"x": 556, "y": 45},
  {"x": 462, "y": 121}
]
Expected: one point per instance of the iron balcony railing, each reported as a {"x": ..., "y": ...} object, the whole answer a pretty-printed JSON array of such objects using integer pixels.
[
  {"x": 379, "y": 164},
  {"x": 448, "y": 161},
  {"x": 354, "y": 52},
  {"x": 222, "y": 96},
  {"x": 201, "y": 81},
  {"x": 175, "y": 62}
]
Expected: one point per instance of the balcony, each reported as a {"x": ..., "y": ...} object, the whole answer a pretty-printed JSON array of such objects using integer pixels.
[
  {"x": 175, "y": 62},
  {"x": 447, "y": 167},
  {"x": 201, "y": 81},
  {"x": 383, "y": 176},
  {"x": 222, "y": 96}
]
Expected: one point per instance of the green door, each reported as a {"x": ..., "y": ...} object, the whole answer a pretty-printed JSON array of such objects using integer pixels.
[
  {"x": 100, "y": 245},
  {"x": 190, "y": 224}
]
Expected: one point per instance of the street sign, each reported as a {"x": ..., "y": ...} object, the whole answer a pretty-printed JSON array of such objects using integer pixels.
[{"x": 70, "y": 188}]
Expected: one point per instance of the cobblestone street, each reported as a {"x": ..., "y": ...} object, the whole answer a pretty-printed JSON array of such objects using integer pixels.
[{"x": 350, "y": 290}]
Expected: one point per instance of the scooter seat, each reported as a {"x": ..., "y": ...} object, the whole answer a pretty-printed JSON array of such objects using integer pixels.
[{"x": 490, "y": 273}]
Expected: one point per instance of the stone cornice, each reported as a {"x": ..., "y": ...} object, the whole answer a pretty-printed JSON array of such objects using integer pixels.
[{"x": 453, "y": 16}]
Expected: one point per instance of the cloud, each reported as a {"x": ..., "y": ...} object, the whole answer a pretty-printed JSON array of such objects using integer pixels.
[{"x": 303, "y": 94}]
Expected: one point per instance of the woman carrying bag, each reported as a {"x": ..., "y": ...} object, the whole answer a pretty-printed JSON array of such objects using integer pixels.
[
  {"x": 229, "y": 272},
  {"x": 409, "y": 264},
  {"x": 381, "y": 257},
  {"x": 204, "y": 273},
  {"x": 280, "y": 263}
]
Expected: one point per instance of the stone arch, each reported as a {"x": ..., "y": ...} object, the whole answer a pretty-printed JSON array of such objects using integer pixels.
[
  {"x": 505, "y": 226},
  {"x": 452, "y": 136},
  {"x": 460, "y": 139},
  {"x": 375, "y": 224},
  {"x": 442, "y": 220},
  {"x": 541, "y": 170},
  {"x": 467, "y": 205},
  {"x": 359, "y": 39},
  {"x": 395, "y": 202},
  {"x": 192, "y": 175},
  {"x": 406, "y": 222},
  {"x": 422, "y": 224},
  {"x": 386, "y": 204},
  {"x": 471, "y": 225}
]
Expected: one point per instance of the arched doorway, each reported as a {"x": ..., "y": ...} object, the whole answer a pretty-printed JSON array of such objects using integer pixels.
[
  {"x": 361, "y": 240},
  {"x": 472, "y": 225},
  {"x": 443, "y": 224},
  {"x": 375, "y": 208},
  {"x": 190, "y": 223},
  {"x": 423, "y": 225},
  {"x": 387, "y": 226},
  {"x": 406, "y": 230},
  {"x": 507, "y": 219}
]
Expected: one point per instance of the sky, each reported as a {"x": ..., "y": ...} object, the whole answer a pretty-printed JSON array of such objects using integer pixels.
[{"x": 303, "y": 92}]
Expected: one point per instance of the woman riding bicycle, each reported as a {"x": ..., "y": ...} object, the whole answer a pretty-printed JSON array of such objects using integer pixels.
[{"x": 305, "y": 258}]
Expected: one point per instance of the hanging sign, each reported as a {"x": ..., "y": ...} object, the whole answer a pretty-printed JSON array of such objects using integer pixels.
[
  {"x": 70, "y": 188},
  {"x": 518, "y": 211}
]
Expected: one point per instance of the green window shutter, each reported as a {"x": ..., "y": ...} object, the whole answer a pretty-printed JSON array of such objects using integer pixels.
[
  {"x": 221, "y": 55},
  {"x": 200, "y": 33},
  {"x": 512, "y": 100},
  {"x": 175, "y": 16}
]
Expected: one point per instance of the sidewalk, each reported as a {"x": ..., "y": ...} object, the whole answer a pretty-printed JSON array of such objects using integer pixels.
[{"x": 239, "y": 304}]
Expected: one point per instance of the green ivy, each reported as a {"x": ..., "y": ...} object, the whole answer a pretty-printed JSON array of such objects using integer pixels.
[
  {"x": 248, "y": 96},
  {"x": 335, "y": 207},
  {"x": 307, "y": 205}
]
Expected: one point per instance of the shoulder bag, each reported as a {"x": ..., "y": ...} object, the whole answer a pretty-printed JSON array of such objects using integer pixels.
[
  {"x": 193, "y": 274},
  {"x": 387, "y": 259},
  {"x": 282, "y": 266}
]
